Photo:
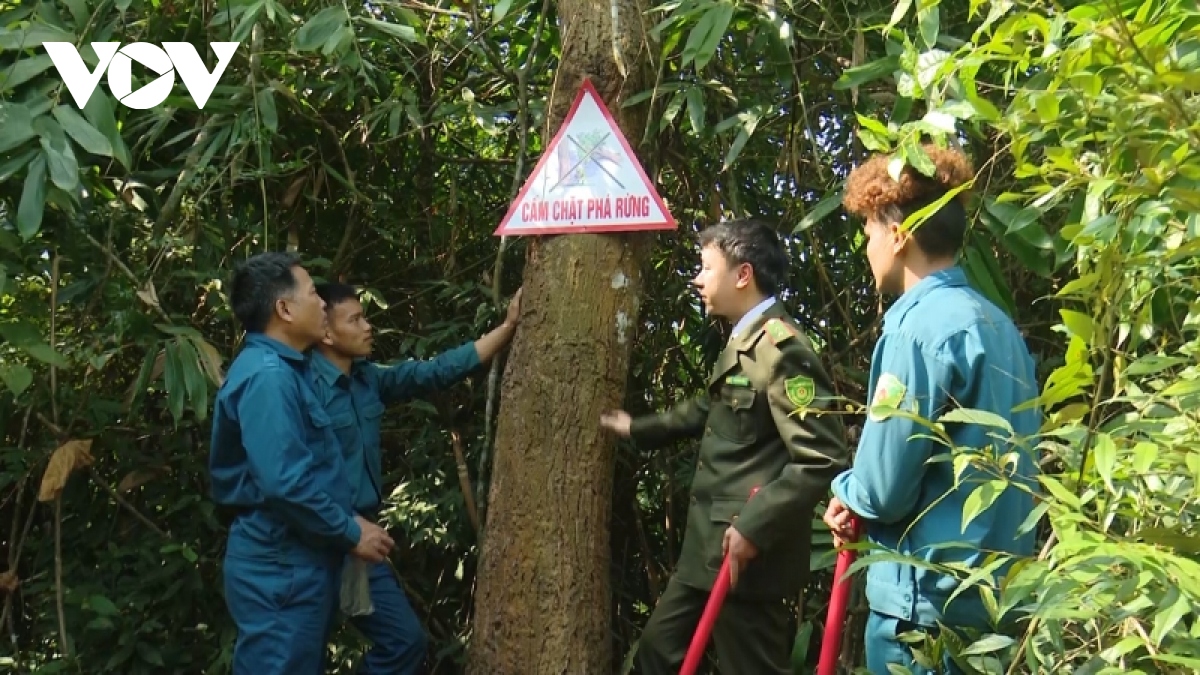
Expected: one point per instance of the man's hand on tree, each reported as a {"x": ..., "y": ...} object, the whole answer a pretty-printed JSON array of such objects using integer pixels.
[
  {"x": 617, "y": 421},
  {"x": 514, "y": 310}
]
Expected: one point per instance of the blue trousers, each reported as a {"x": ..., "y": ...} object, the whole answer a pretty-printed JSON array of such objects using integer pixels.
[
  {"x": 397, "y": 637},
  {"x": 283, "y": 614},
  {"x": 883, "y": 646}
]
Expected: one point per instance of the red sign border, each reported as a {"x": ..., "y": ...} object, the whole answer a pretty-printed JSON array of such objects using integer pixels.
[{"x": 598, "y": 228}]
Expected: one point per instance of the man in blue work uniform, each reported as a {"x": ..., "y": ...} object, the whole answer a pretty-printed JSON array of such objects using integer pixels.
[
  {"x": 354, "y": 393},
  {"x": 275, "y": 461},
  {"x": 943, "y": 346}
]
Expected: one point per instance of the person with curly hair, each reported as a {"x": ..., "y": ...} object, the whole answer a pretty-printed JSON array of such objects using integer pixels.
[{"x": 944, "y": 346}]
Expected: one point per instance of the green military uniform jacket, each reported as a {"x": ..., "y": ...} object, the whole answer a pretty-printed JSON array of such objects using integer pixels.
[{"x": 761, "y": 425}]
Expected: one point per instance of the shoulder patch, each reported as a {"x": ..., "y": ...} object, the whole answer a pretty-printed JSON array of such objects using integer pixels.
[
  {"x": 889, "y": 392},
  {"x": 800, "y": 390},
  {"x": 778, "y": 331}
]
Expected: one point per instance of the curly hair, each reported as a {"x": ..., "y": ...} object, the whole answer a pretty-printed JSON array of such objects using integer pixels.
[{"x": 872, "y": 193}]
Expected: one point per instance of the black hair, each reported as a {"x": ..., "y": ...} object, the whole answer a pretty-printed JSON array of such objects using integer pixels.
[
  {"x": 942, "y": 234},
  {"x": 258, "y": 283},
  {"x": 752, "y": 241},
  {"x": 334, "y": 293}
]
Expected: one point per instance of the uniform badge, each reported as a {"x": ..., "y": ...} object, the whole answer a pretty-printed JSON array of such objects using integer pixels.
[
  {"x": 800, "y": 390},
  {"x": 779, "y": 331},
  {"x": 737, "y": 381},
  {"x": 889, "y": 391}
]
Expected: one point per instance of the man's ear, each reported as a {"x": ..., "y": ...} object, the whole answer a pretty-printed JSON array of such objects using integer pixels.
[
  {"x": 900, "y": 237},
  {"x": 745, "y": 275},
  {"x": 327, "y": 339},
  {"x": 283, "y": 311}
]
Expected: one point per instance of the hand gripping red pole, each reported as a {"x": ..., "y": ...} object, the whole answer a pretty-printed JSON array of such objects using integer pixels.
[
  {"x": 695, "y": 651},
  {"x": 839, "y": 601}
]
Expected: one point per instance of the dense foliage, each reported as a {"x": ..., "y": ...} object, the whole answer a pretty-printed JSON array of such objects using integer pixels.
[{"x": 384, "y": 141}]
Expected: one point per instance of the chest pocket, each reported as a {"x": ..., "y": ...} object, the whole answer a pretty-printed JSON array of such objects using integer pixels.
[
  {"x": 320, "y": 431},
  {"x": 372, "y": 417},
  {"x": 732, "y": 414}
]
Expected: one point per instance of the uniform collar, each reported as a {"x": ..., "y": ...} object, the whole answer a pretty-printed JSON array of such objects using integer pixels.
[
  {"x": 748, "y": 320},
  {"x": 285, "y": 352},
  {"x": 950, "y": 277},
  {"x": 325, "y": 369},
  {"x": 745, "y": 341}
]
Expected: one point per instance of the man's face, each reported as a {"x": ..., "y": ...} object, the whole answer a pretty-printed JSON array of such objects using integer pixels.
[
  {"x": 885, "y": 242},
  {"x": 303, "y": 309},
  {"x": 718, "y": 283},
  {"x": 349, "y": 332}
]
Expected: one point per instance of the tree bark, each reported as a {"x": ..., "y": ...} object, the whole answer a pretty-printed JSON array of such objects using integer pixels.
[{"x": 542, "y": 597}]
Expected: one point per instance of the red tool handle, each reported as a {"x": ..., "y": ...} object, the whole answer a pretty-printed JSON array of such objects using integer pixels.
[
  {"x": 708, "y": 619},
  {"x": 839, "y": 601}
]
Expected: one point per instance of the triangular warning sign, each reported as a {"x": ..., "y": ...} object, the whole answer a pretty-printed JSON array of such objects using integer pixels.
[{"x": 588, "y": 180}]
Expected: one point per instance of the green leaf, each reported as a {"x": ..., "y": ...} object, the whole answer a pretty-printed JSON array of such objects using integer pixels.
[
  {"x": 987, "y": 645},
  {"x": 868, "y": 72},
  {"x": 103, "y": 606},
  {"x": 980, "y": 499},
  {"x": 695, "y": 104},
  {"x": 500, "y": 10},
  {"x": 800, "y": 646},
  {"x": 60, "y": 158},
  {"x": 79, "y": 11},
  {"x": 818, "y": 212},
  {"x": 399, "y": 31},
  {"x": 1182, "y": 388},
  {"x": 1060, "y": 493},
  {"x": 47, "y": 354},
  {"x": 981, "y": 277},
  {"x": 87, "y": 136},
  {"x": 1047, "y": 108},
  {"x": 99, "y": 111},
  {"x": 320, "y": 28},
  {"x": 928, "y": 21},
  {"x": 23, "y": 71},
  {"x": 173, "y": 381},
  {"x": 1152, "y": 364},
  {"x": 1079, "y": 324},
  {"x": 16, "y": 125},
  {"x": 16, "y": 377},
  {"x": 10, "y": 166},
  {"x": 194, "y": 381},
  {"x": 898, "y": 13},
  {"x": 266, "y": 108},
  {"x": 974, "y": 416},
  {"x": 940, "y": 121},
  {"x": 33, "y": 199},
  {"x": 32, "y": 36},
  {"x": 735, "y": 149},
  {"x": 1104, "y": 456}
]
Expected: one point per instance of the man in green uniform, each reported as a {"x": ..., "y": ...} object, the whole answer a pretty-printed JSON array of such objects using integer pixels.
[{"x": 764, "y": 422}]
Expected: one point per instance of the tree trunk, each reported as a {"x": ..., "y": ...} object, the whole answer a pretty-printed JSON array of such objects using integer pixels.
[{"x": 542, "y": 597}]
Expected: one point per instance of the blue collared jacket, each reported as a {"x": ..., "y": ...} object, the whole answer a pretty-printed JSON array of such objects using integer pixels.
[
  {"x": 274, "y": 456},
  {"x": 355, "y": 404},
  {"x": 943, "y": 346}
]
